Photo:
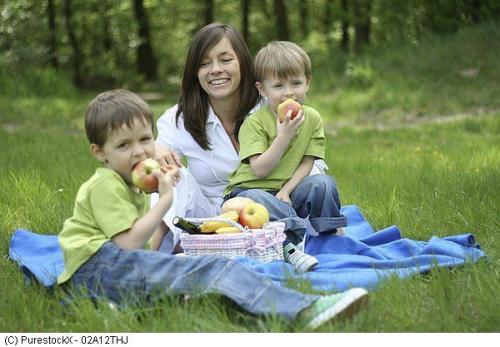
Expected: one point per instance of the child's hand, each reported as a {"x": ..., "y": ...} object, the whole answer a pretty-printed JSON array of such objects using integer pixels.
[
  {"x": 289, "y": 127},
  {"x": 166, "y": 179},
  {"x": 284, "y": 196},
  {"x": 167, "y": 167}
]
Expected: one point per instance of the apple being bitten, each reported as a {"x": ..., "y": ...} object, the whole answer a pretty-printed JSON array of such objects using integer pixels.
[
  {"x": 254, "y": 215},
  {"x": 142, "y": 175},
  {"x": 285, "y": 106}
]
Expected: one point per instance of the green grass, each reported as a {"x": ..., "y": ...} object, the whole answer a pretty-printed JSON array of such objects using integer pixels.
[
  {"x": 427, "y": 178},
  {"x": 443, "y": 75}
]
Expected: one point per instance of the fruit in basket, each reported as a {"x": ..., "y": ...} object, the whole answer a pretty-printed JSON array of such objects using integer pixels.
[
  {"x": 227, "y": 230},
  {"x": 210, "y": 227},
  {"x": 142, "y": 175},
  {"x": 287, "y": 105},
  {"x": 235, "y": 204},
  {"x": 254, "y": 215}
]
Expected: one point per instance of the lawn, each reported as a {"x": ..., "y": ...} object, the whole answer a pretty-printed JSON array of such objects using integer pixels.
[{"x": 398, "y": 164}]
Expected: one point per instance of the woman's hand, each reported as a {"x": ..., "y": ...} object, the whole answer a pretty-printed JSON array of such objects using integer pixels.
[
  {"x": 165, "y": 155},
  {"x": 289, "y": 127}
]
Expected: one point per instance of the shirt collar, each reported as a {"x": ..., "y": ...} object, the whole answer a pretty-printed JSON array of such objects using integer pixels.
[{"x": 212, "y": 117}]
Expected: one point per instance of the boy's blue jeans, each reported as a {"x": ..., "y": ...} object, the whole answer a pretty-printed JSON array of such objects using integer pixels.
[
  {"x": 119, "y": 274},
  {"x": 315, "y": 196}
]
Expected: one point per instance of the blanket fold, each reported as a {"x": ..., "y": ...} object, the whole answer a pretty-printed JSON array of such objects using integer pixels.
[{"x": 362, "y": 258}]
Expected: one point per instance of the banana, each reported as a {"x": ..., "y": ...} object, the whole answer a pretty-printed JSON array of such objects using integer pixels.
[
  {"x": 210, "y": 227},
  {"x": 227, "y": 230}
]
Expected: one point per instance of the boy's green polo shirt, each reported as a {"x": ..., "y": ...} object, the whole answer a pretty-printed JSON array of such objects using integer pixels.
[
  {"x": 104, "y": 207},
  {"x": 258, "y": 133}
]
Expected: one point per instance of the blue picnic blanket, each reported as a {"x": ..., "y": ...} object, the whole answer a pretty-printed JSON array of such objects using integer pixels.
[{"x": 362, "y": 258}]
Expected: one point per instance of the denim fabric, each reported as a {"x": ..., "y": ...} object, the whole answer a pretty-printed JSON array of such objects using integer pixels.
[
  {"x": 119, "y": 275},
  {"x": 315, "y": 197}
]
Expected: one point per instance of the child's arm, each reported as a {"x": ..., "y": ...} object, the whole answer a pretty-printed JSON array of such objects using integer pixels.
[
  {"x": 142, "y": 230},
  {"x": 158, "y": 236},
  {"x": 303, "y": 170},
  {"x": 263, "y": 164}
]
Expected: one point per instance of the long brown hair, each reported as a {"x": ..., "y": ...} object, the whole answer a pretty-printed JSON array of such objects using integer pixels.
[{"x": 193, "y": 100}]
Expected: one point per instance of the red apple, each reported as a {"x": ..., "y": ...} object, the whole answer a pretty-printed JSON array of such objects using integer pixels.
[
  {"x": 142, "y": 176},
  {"x": 285, "y": 106},
  {"x": 254, "y": 215}
]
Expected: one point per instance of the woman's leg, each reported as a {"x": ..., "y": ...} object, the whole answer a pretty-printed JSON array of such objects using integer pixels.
[
  {"x": 317, "y": 197},
  {"x": 139, "y": 274}
]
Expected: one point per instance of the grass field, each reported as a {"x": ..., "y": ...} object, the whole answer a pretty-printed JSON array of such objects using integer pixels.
[{"x": 397, "y": 163}]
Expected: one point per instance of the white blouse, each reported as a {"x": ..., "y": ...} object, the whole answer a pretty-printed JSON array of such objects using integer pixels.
[{"x": 210, "y": 168}]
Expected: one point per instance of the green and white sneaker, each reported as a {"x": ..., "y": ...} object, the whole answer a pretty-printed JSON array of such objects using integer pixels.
[
  {"x": 301, "y": 262},
  {"x": 341, "y": 305}
]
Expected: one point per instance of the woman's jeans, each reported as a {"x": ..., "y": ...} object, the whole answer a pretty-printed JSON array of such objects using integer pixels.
[
  {"x": 315, "y": 197},
  {"x": 119, "y": 275}
]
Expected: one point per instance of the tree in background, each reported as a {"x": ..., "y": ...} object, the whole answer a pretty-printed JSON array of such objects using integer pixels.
[
  {"x": 114, "y": 43},
  {"x": 146, "y": 61},
  {"x": 362, "y": 24},
  {"x": 344, "y": 18},
  {"x": 51, "y": 14},
  {"x": 208, "y": 12},
  {"x": 281, "y": 20},
  {"x": 74, "y": 43},
  {"x": 245, "y": 14},
  {"x": 304, "y": 18}
]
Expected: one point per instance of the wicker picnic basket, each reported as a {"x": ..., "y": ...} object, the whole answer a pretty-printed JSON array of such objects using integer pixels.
[{"x": 264, "y": 244}]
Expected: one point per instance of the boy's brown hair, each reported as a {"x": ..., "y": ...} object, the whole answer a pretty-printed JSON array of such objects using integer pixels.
[
  {"x": 110, "y": 110},
  {"x": 282, "y": 59}
]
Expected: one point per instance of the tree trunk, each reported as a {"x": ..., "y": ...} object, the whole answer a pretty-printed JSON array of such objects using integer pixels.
[
  {"x": 362, "y": 19},
  {"x": 106, "y": 31},
  {"x": 51, "y": 11},
  {"x": 345, "y": 41},
  {"x": 304, "y": 18},
  {"x": 146, "y": 62},
  {"x": 327, "y": 22},
  {"x": 281, "y": 20},
  {"x": 75, "y": 46},
  {"x": 245, "y": 7},
  {"x": 208, "y": 14}
]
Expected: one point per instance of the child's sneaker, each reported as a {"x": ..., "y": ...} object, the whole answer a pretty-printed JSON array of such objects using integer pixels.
[
  {"x": 301, "y": 262},
  {"x": 341, "y": 305}
]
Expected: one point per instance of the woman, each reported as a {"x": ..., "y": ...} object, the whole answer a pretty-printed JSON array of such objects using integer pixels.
[{"x": 217, "y": 93}]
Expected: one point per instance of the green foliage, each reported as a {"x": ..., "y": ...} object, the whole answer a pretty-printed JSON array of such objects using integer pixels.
[{"x": 107, "y": 32}]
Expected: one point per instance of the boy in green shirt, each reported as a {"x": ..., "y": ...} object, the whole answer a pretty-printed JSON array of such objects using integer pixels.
[
  {"x": 277, "y": 157},
  {"x": 103, "y": 242}
]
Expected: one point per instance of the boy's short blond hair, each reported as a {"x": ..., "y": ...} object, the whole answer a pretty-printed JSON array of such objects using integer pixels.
[
  {"x": 111, "y": 110},
  {"x": 282, "y": 59}
]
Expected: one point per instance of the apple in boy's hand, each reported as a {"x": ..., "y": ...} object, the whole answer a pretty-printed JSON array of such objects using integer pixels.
[
  {"x": 142, "y": 175},
  {"x": 285, "y": 106},
  {"x": 254, "y": 215}
]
